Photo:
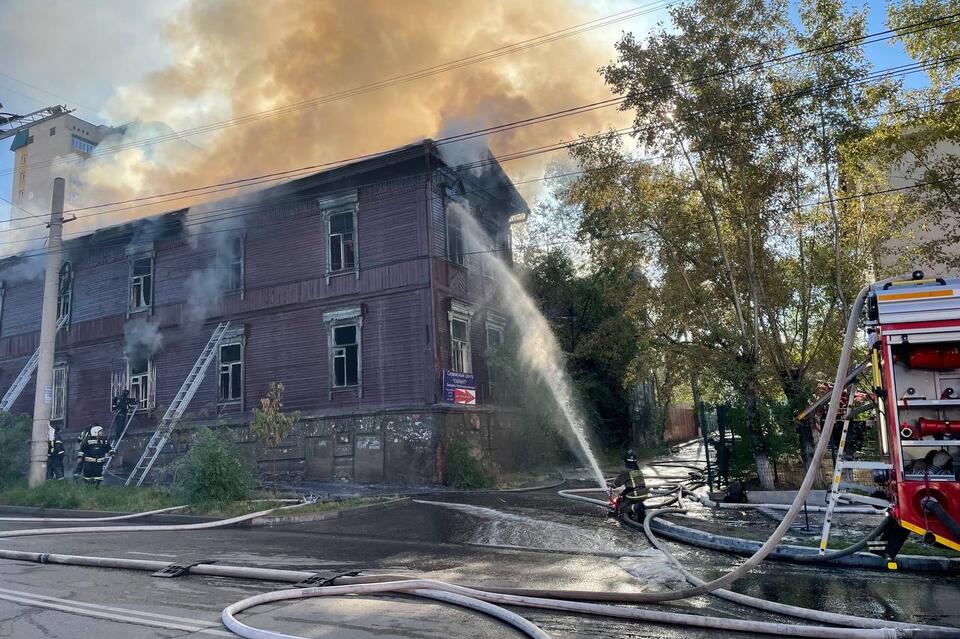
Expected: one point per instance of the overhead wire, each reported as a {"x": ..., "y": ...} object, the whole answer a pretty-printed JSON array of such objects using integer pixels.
[{"x": 284, "y": 175}]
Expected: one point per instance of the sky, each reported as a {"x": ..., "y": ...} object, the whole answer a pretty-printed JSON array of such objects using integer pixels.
[{"x": 169, "y": 61}]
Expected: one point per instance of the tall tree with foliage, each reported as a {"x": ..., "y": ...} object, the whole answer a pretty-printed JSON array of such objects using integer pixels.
[
  {"x": 739, "y": 225},
  {"x": 916, "y": 145}
]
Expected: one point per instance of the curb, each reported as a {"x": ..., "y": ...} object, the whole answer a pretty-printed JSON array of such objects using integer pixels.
[
  {"x": 800, "y": 554},
  {"x": 273, "y": 520}
]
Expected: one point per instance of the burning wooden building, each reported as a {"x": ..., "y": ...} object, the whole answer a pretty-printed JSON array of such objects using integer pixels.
[{"x": 355, "y": 287}]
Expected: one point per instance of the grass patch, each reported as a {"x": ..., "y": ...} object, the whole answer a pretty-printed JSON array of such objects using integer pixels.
[
  {"x": 131, "y": 499},
  {"x": 70, "y": 496}
]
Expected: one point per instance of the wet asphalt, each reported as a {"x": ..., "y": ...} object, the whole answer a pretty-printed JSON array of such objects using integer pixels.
[{"x": 535, "y": 540}]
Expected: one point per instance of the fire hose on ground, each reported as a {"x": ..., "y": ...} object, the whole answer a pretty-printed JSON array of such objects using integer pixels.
[{"x": 488, "y": 600}]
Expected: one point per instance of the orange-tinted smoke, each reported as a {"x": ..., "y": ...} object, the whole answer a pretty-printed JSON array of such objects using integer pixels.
[{"x": 234, "y": 57}]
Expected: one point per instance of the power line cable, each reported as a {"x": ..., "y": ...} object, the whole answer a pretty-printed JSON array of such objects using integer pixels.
[
  {"x": 120, "y": 242},
  {"x": 293, "y": 173}
]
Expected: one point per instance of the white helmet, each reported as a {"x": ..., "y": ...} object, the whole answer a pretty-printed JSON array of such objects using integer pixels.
[{"x": 96, "y": 431}]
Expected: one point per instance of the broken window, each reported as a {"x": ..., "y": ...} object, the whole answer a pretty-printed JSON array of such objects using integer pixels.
[
  {"x": 231, "y": 372},
  {"x": 455, "y": 247},
  {"x": 65, "y": 291},
  {"x": 58, "y": 407},
  {"x": 494, "y": 342},
  {"x": 231, "y": 258},
  {"x": 342, "y": 256},
  {"x": 141, "y": 284},
  {"x": 346, "y": 355},
  {"x": 140, "y": 382}
]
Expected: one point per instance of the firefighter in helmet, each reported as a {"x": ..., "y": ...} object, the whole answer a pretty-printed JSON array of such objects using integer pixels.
[
  {"x": 55, "y": 455},
  {"x": 93, "y": 453},
  {"x": 633, "y": 488}
]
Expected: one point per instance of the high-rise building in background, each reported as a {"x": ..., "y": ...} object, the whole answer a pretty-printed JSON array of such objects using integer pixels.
[{"x": 36, "y": 150}]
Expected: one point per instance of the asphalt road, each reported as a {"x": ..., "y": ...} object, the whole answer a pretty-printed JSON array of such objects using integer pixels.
[{"x": 507, "y": 539}]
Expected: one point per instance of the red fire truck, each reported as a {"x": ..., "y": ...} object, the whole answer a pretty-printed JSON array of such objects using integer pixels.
[{"x": 913, "y": 330}]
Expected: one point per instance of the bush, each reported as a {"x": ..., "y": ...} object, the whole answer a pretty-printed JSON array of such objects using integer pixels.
[
  {"x": 463, "y": 470},
  {"x": 15, "y": 433},
  {"x": 212, "y": 472}
]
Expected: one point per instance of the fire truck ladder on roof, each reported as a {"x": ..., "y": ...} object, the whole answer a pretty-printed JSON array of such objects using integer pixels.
[
  {"x": 836, "y": 485},
  {"x": 13, "y": 393},
  {"x": 177, "y": 407}
]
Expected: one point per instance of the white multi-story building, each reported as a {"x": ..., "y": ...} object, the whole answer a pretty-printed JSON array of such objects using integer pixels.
[{"x": 35, "y": 162}]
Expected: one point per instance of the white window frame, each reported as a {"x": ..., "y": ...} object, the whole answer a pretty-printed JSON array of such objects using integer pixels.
[
  {"x": 332, "y": 206},
  {"x": 134, "y": 279},
  {"x": 461, "y": 351},
  {"x": 338, "y": 319},
  {"x": 150, "y": 401},
  {"x": 58, "y": 405},
  {"x": 231, "y": 340}
]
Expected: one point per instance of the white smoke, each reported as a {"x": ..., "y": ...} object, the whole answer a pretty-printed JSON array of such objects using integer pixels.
[
  {"x": 218, "y": 239},
  {"x": 24, "y": 269},
  {"x": 141, "y": 341},
  {"x": 471, "y": 154}
]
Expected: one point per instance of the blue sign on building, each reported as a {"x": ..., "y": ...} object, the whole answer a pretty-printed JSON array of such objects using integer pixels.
[{"x": 459, "y": 388}]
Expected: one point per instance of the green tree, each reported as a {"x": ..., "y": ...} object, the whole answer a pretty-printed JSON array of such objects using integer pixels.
[
  {"x": 271, "y": 426},
  {"x": 15, "y": 433},
  {"x": 917, "y": 143},
  {"x": 739, "y": 225}
]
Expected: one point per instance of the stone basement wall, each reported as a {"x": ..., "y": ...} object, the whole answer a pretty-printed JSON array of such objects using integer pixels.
[{"x": 395, "y": 447}]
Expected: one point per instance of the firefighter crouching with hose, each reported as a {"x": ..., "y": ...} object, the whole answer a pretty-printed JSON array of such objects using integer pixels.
[
  {"x": 93, "y": 453},
  {"x": 632, "y": 488}
]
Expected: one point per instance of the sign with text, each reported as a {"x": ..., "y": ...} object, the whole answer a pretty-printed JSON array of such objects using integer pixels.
[{"x": 459, "y": 388}]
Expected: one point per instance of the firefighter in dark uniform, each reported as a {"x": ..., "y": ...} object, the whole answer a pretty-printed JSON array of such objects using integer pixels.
[
  {"x": 122, "y": 405},
  {"x": 55, "y": 455},
  {"x": 93, "y": 453},
  {"x": 634, "y": 488},
  {"x": 82, "y": 437}
]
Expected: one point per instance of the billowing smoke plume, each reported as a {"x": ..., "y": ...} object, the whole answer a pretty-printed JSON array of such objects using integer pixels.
[
  {"x": 237, "y": 57},
  {"x": 24, "y": 269},
  {"x": 141, "y": 341}
]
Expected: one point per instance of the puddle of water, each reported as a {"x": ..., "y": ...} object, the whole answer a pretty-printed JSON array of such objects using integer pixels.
[
  {"x": 652, "y": 568},
  {"x": 501, "y": 528}
]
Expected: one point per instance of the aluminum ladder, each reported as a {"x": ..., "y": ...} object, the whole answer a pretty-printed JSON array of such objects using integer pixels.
[
  {"x": 116, "y": 444},
  {"x": 836, "y": 485},
  {"x": 13, "y": 393},
  {"x": 177, "y": 407}
]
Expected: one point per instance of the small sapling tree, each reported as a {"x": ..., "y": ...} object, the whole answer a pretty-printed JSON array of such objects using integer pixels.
[{"x": 271, "y": 426}]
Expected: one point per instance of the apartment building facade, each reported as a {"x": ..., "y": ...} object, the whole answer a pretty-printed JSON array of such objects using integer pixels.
[
  {"x": 355, "y": 288},
  {"x": 36, "y": 152}
]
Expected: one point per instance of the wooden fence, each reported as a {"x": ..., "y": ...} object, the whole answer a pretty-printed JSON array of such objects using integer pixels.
[{"x": 681, "y": 424}]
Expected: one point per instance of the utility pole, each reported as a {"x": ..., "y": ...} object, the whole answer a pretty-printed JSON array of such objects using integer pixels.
[{"x": 43, "y": 396}]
